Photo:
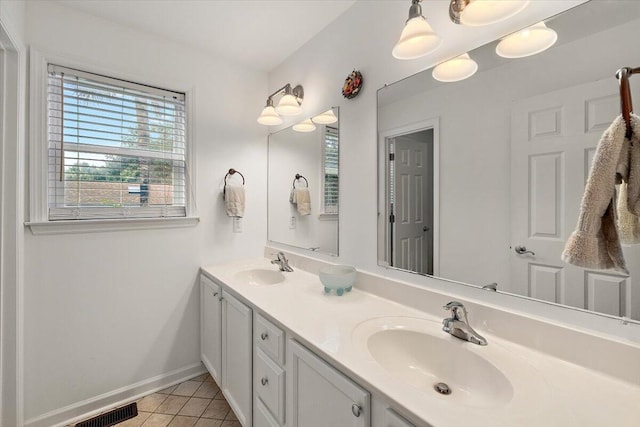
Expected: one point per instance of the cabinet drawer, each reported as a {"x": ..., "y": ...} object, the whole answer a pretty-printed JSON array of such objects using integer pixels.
[
  {"x": 269, "y": 338},
  {"x": 262, "y": 417},
  {"x": 395, "y": 420},
  {"x": 268, "y": 384}
]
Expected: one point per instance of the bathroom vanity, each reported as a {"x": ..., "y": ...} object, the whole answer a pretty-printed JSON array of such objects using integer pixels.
[{"x": 287, "y": 354}]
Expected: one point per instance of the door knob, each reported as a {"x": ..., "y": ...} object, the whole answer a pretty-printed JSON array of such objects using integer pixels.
[
  {"x": 522, "y": 250},
  {"x": 425, "y": 228}
]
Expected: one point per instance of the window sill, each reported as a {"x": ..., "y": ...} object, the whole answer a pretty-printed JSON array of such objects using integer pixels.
[
  {"x": 328, "y": 217},
  {"x": 102, "y": 225}
]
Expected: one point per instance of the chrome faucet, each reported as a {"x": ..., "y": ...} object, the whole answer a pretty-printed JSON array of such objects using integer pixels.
[
  {"x": 458, "y": 324},
  {"x": 282, "y": 262}
]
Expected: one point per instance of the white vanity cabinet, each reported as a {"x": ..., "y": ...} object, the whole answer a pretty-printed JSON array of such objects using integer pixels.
[
  {"x": 320, "y": 396},
  {"x": 268, "y": 373},
  {"x": 211, "y": 326},
  {"x": 236, "y": 357}
]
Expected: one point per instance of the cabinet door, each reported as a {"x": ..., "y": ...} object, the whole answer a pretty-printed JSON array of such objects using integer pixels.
[
  {"x": 210, "y": 326},
  {"x": 236, "y": 356},
  {"x": 320, "y": 396}
]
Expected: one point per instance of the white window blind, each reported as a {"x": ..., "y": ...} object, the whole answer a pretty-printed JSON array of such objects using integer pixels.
[
  {"x": 117, "y": 149},
  {"x": 331, "y": 161}
]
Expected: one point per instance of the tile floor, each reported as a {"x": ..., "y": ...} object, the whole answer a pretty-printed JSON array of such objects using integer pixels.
[{"x": 194, "y": 403}]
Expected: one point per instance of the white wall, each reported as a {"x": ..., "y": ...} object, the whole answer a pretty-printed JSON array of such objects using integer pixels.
[{"x": 104, "y": 311}]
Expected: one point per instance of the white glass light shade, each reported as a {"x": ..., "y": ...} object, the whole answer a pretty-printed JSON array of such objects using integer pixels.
[
  {"x": 527, "y": 42},
  {"x": 485, "y": 12},
  {"x": 269, "y": 117},
  {"x": 288, "y": 106},
  {"x": 304, "y": 126},
  {"x": 325, "y": 118},
  {"x": 456, "y": 69},
  {"x": 417, "y": 39}
]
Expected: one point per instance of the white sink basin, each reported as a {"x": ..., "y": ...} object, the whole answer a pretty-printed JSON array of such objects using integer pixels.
[
  {"x": 260, "y": 276},
  {"x": 417, "y": 353}
]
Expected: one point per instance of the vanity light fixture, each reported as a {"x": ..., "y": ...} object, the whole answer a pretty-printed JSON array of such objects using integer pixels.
[
  {"x": 304, "y": 126},
  {"x": 476, "y": 13},
  {"x": 417, "y": 38},
  {"x": 269, "y": 117},
  {"x": 325, "y": 118},
  {"x": 456, "y": 69},
  {"x": 527, "y": 42},
  {"x": 289, "y": 105}
]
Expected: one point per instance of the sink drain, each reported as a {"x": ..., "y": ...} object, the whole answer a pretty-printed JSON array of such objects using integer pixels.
[{"x": 442, "y": 388}]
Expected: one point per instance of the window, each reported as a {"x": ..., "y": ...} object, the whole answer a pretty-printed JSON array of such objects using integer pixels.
[
  {"x": 117, "y": 149},
  {"x": 330, "y": 166}
]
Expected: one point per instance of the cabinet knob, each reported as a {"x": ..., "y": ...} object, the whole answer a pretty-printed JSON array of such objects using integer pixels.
[
  {"x": 215, "y": 294},
  {"x": 264, "y": 381},
  {"x": 220, "y": 299},
  {"x": 356, "y": 410},
  {"x": 264, "y": 336}
]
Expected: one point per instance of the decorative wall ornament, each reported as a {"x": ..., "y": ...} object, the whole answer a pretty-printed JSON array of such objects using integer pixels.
[{"x": 352, "y": 85}]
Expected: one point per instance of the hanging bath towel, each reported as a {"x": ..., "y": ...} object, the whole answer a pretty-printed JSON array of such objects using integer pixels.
[
  {"x": 234, "y": 200},
  {"x": 595, "y": 243}
]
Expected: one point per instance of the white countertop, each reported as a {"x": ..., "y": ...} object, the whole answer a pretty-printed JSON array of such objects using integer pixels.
[{"x": 546, "y": 391}]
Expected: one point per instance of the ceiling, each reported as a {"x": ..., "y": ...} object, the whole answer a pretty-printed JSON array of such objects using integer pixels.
[{"x": 258, "y": 33}]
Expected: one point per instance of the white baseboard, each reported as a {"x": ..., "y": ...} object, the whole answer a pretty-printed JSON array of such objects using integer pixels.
[{"x": 113, "y": 399}]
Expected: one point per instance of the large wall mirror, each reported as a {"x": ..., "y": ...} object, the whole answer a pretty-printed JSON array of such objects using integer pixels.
[
  {"x": 303, "y": 184},
  {"x": 481, "y": 179}
]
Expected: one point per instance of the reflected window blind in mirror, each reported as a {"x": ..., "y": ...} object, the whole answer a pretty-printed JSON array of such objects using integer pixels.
[
  {"x": 117, "y": 149},
  {"x": 330, "y": 167}
]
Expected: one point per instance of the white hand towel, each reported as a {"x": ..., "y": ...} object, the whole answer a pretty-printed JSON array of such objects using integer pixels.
[
  {"x": 292, "y": 197},
  {"x": 234, "y": 200},
  {"x": 303, "y": 198}
]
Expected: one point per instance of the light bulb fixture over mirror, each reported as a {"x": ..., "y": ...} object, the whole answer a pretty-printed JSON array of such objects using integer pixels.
[
  {"x": 304, "y": 126},
  {"x": 417, "y": 38},
  {"x": 456, "y": 69},
  {"x": 289, "y": 105},
  {"x": 476, "y": 13},
  {"x": 326, "y": 118},
  {"x": 527, "y": 42}
]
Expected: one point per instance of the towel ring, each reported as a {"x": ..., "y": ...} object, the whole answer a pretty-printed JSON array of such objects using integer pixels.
[
  {"x": 231, "y": 172},
  {"x": 298, "y": 176}
]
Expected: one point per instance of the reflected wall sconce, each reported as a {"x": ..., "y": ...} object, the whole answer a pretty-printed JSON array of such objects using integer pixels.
[
  {"x": 456, "y": 69},
  {"x": 289, "y": 105},
  {"x": 326, "y": 118},
  {"x": 304, "y": 126},
  {"x": 527, "y": 42},
  {"x": 476, "y": 13},
  {"x": 417, "y": 38}
]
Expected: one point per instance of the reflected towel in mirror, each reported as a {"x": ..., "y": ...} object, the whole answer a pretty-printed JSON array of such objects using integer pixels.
[
  {"x": 302, "y": 199},
  {"x": 234, "y": 200}
]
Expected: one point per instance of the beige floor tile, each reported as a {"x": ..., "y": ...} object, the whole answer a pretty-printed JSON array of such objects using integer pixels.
[
  {"x": 217, "y": 409},
  {"x": 187, "y": 388},
  {"x": 158, "y": 420},
  {"x": 151, "y": 402},
  {"x": 220, "y": 396},
  {"x": 195, "y": 407},
  {"x": 208, "y": 389},
  {"x": 208, "y": 422},
  {"x": 136, "y": 421},
  {"x": 202, "y": 377},
  {"x": 231, "y": 416},
  {"x": 231, "y": 424},
  {"x": 181, "y": 421},
  {"x": 168, "y": 390},
  {"x": 172, "y": 405}
]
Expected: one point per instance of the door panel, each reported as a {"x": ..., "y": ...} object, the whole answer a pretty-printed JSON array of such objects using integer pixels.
[{"x": 553, "y": 140}]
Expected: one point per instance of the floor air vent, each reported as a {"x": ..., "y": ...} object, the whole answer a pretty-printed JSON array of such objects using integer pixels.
[{"x": 112, "y": 417}]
